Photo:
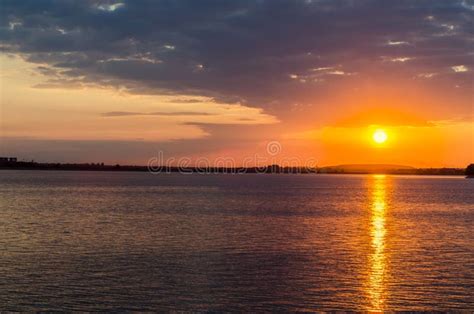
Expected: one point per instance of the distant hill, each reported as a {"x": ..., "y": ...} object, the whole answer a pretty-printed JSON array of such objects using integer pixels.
[{"x": 365, "y": 168}]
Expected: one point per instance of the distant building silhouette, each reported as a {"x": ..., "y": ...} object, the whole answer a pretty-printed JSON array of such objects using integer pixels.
[{"x": 8, "y": 159}]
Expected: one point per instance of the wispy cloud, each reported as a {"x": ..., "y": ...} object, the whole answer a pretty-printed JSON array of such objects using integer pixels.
[
  {"x": 397, "y": 43},
  {"x": 338, "y": 72},
  {"x": 460, "y": 68},
  {"x": 110, "y": 7},
  {"x": 427, "y": 75},
  {"x": 186, "y": 101},
  {"x": 322, "y": 69},
  {"x": 401, "y": 59},
  {"x": 129, "y": 113}
]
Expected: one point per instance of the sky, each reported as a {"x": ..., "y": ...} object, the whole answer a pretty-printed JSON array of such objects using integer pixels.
[{"x": 125, "y": 81}]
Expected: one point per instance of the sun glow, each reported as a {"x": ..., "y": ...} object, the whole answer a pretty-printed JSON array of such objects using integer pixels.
[{"x": 380, "y": 136}]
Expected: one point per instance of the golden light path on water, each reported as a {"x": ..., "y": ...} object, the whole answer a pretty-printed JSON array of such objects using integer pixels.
[{"x": 378, "y": 262}]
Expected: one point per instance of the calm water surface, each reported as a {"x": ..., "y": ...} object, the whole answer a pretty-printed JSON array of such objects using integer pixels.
[{"x": 136, "y": 241}]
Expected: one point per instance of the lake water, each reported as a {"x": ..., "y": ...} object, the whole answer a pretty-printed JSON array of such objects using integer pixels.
[{"x": 136, "y": 241}]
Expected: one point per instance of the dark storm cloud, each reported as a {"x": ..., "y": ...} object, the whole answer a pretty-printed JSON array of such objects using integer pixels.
[{"x": 256, "y": 52}]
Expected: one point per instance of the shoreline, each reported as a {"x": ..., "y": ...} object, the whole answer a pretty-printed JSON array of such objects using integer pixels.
[{"x": 238, "y": 170}]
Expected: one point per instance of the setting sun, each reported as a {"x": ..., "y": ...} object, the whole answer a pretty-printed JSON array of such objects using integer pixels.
[{"x": 380, "y": 136}]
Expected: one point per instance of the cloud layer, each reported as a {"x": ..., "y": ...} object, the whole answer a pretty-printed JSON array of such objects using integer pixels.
[{"x": 265, "y": 53}]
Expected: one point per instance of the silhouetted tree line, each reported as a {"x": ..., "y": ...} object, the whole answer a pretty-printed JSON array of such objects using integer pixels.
[
  {"x": 32, "y": 165},
  {"x": 470, "y": 170}
]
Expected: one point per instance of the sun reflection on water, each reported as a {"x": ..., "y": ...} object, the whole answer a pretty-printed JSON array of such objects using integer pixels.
[{"x": 377, "y": 259}]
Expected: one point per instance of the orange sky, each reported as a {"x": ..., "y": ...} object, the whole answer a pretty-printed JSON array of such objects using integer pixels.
[
  {"x": 100, "y": 88},
  {"x": 342, "y": 134}
]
